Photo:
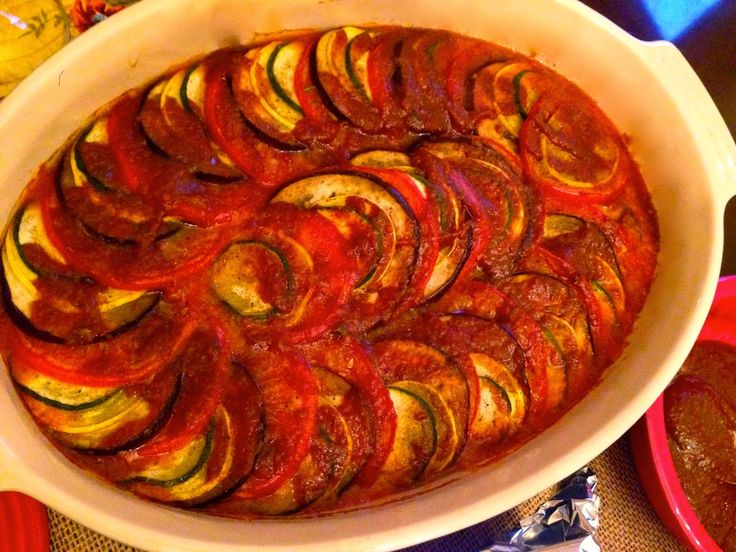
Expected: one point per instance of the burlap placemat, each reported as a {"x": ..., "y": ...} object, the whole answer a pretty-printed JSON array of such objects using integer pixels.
[{"x": 627, "y": 521}]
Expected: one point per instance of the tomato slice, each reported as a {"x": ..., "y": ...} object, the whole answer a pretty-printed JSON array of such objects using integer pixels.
[
  {"x": 176, "y": 248},
  {"x": 168, "y": 182},
  {"x": 266, "y": 162},
  {"x": 289, "y": 397},
  {"x": 366, "y": 406},
  {"x": 385, "y": 76},
  {"x": 423, "y": 62},
  {"x": 570, "y": 148},
  {"x": 123, "y": 359},
  {"x": 179, "y": 132}
]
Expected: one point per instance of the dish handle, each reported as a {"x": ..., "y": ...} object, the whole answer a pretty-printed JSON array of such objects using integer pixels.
[{"x": 704, "y": 120}]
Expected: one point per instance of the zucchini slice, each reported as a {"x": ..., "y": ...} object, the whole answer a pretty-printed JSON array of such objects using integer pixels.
[
  {"x": 415, "y": 441},
  {"x": 502, "y": 404},
  {"x": 28, "y": 230},
  {"x": 57, "y": 393},
  {"x": 265, "y": 88},
  {"x": 448, "y": 441},
  {"x": 254, "y": 278},
  {"x": 113, "y": 309},
  {"x": 179, "y": 466},
  {"x": 335, "y": 57},
  {"x": 192, "y": 91},
  {"x": 205, "y": 465}
]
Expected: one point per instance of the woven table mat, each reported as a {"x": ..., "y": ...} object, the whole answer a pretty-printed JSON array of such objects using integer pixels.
[{"x": 627, "y": 522}]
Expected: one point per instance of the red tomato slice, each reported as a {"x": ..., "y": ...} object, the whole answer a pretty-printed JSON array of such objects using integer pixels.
[
  {"x": 152, "y": 264},
  {"x": 423, "y": 62},
  {"x": 267, "y": 163},
  {"x": 570, "y": 148},
  {"x": 205, "y": 366},
  {"x": 126, "y": 358},
  {"x": 166, "y": 181},
  {"x": 289, "y": 397},
  {"x": 369, "y": 399}
]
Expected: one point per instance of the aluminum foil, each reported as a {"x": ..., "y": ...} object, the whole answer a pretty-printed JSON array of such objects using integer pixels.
[{"x": 565, "y": 523}]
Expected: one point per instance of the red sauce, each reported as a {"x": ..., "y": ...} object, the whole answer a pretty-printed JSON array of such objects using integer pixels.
[
  {"x": 305, "y": 275},
  {"x": 700, "y": 413}
]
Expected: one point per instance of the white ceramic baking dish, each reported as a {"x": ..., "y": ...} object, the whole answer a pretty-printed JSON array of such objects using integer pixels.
[{"x": 677, "y": 135}]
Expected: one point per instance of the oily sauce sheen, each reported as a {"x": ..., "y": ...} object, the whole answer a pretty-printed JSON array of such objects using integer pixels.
[{"x": 324, "y": 270}]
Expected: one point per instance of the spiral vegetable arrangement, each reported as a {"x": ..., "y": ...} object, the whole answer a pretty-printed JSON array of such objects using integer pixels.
[{"x": 312, "y": 273}]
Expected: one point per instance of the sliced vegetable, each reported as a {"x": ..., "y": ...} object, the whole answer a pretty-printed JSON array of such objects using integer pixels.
[
  {"x": 390, "y": 211},
  {"x": 253, "y": 278},
  {"x": 415, "y": 441},
  {"x": 455, "y": 242},
  {"x": 502, "y": 405},
  {"x": 505, "y": 203},
  {"x": 319, "y": 473},
  {"x": 264, "y": 86},
  {"x": 448, "y": 440},
  {"x": 413, "y": 360},
  {"x": 61, "y": 309},
  {"x": 341, "y": 59},
  {"x": 267, "y": 161},
  {"x": 179, "y": 466},
  {"x": 168, "y": 119},
  {"x": 571, "y": 148},
  {"x": 347, "y": 380},
  {"x": 290, "y": 400}
]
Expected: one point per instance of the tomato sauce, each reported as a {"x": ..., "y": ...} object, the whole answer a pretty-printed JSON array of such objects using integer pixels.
[{"x": 700, "y": 416}]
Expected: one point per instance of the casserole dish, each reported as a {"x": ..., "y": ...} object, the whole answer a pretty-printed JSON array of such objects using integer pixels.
[{"x": 683, "y": 147}]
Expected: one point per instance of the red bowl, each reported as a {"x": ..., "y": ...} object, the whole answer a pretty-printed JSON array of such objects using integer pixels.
[
  {"x": 649, "y": 439},
  {"x": 23, "y": 523}
]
